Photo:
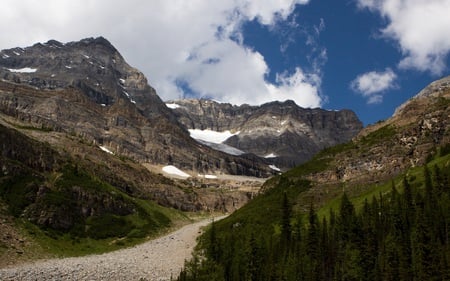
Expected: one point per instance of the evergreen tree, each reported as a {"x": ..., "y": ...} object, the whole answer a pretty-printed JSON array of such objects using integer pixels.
[
  {"x": 286, "y": 223},
  {"x": 347, "y": 220},
  {"x": 312, "y": 246}
]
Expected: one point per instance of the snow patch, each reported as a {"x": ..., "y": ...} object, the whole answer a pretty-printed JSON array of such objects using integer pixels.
[
  {"x": 271, "y": 155},
  {"x": 172, "y": 170},
  {"x": 211, "y": 136},
  {"x": 16, "y": 53},
  {"x": 223, "y": 147},
  {"x": 122, "y": 81},
  {"x": 129, "y": 97},
  {"x": 5, "y": 56},
  {"x": 208, "y": 176},
  {"x": 86, "y": 56},
  {"x": 106, "y": 150},
  {"x": 23, "y": 70},
  {"x": 172, "y": 105},
  {"x": 275, "y": 168},
  {"x": 68, "y": 67}
]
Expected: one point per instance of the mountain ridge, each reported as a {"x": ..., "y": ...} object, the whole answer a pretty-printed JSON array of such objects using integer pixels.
[
  {"x": 282, "y": 131},
  {"x": 118, "y": 108}
]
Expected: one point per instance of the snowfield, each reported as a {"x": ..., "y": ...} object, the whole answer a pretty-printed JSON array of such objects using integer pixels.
[
  {"x": 275, "y": 168},
  {"x": 215, "y": 140},
  {"x": 106, "y": 150},
  {"x": 210, "y": 135},
  {"x": 211, "y": 177},
  {"x": 172, "y": 170},
  {"x": 271, "y": 155},
  {"x": 23, "y": 70},
  {"x": 172, "y": 105}
]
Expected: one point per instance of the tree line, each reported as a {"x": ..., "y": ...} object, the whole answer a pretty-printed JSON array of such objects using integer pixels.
[{"x": 395, "y": 236}]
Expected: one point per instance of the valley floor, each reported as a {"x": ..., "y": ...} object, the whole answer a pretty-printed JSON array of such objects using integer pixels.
[{"x": 158, "y": 259}]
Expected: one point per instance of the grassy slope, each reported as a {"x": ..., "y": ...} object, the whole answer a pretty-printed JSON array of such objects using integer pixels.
[{"x": 265, "y": 210}]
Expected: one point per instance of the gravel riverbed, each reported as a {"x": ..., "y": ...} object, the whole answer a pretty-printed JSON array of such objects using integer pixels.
[{"x": 157, "y": 259}]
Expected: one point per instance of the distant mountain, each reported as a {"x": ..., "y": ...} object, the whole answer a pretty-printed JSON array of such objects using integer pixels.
[
  {"x": 86, "y": 88},
  {"x": 282, "y": 132}
]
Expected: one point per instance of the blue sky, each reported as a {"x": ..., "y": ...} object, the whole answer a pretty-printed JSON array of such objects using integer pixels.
[
  {"x": 369, "y": 56},
  {"x": 352, "y": 39}
]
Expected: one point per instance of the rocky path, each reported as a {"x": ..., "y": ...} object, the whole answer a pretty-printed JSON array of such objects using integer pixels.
[{"x": 158, "y": 259}]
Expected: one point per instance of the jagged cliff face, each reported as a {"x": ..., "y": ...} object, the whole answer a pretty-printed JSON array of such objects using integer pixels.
[
  {"x": 86, "y": 88},
  {"x": 281, "y": 132}
]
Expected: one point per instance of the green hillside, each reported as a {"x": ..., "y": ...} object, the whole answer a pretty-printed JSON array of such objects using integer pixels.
[
  {"x": 376, "y": 208},
  {"x": 397, "y": 231}
]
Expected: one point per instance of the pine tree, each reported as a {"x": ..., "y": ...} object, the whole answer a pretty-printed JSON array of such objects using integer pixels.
[
  {"x": 312, "y": 246},
  {"x": 428, "y": 185},
  {"x": 214, "y": 247},
  {"x": 347, "y": 220},
  {"x": 286, "y": 223}
]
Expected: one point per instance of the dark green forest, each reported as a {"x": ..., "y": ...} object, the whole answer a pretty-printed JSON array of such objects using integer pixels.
[{"x": 398, "y": 235}]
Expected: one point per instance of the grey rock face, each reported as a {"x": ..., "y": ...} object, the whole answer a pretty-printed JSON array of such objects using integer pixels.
[
  {"x": 87, "y": 88},
  {"x": 283, "y": 132}
]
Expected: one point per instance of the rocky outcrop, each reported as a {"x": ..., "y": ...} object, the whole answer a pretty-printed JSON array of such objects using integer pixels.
[
  {"x": 282, "y": 132},
  {"x": 86, "y": 88},
  {"x": 419, "y": 129}
]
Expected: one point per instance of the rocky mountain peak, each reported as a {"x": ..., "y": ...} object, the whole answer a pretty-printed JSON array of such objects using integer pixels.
[
  {"x": 435, "y": 89},
  {"x": 87, "y": 88},
  {"x": 281, "y": 132}
]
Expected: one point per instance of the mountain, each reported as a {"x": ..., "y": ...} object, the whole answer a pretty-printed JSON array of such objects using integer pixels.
[
  {"x": 84, "y": 142},
  {"x": 374, "y": 208},
  {"x": 86, "y": 88},
  {"x": 282, "y": 132}
]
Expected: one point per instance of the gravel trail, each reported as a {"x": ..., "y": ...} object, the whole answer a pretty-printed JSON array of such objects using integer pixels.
[{"x": 157, "y": 259}]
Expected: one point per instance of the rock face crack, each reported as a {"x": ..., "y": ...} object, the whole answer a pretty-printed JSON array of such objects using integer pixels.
[{"x": 158, "y": 259}]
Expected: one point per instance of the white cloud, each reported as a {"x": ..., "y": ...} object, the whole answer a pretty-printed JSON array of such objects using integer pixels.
[
  {"x": 372, "y": 85},
  {"x": 421, "y": 29},
  {"x": 171, "y": 41},
  {"x": 290, "y": 86}
]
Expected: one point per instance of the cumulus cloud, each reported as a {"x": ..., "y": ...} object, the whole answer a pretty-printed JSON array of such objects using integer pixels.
[
  {"x": 178, "y": 44},
  {"x": 420, "y": 27},
  {"x": 372, "y": 85}
]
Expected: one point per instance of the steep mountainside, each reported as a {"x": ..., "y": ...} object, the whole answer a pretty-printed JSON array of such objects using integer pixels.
[
  {"x": 78, "y": 129},
  {"x": 281, "y": 132},
  {"x": 56, "y": 189},
  {"x": 86, "y": 88}
]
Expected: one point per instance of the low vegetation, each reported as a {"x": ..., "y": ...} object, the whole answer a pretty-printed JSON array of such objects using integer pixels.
[{"x": 71, "y": 207}]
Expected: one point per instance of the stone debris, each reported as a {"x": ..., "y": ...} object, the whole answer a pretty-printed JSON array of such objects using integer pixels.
[{"x": 159, "y": 259}]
